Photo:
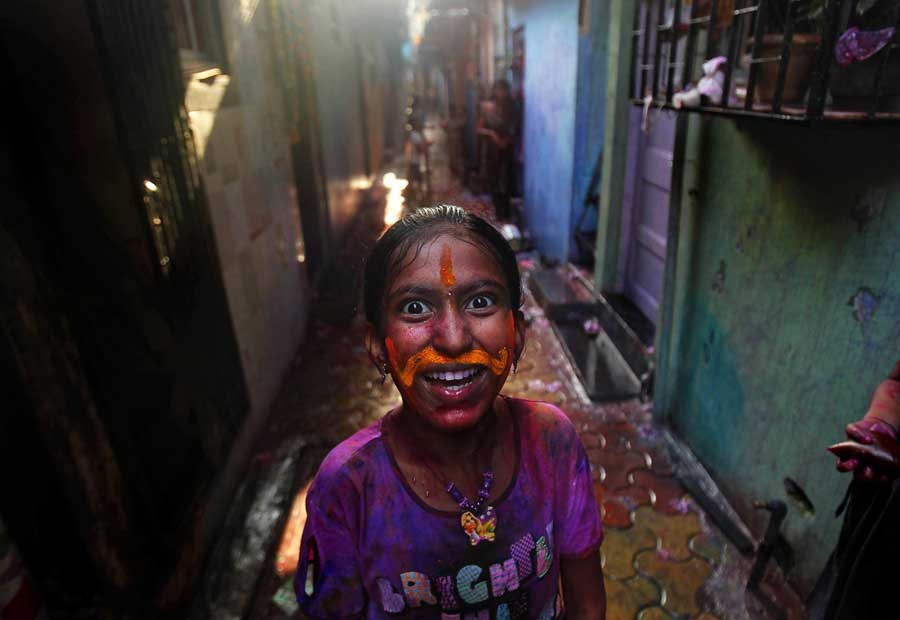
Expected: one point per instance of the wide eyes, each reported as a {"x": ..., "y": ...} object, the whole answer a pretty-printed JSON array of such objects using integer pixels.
[
  {"x": 418, "y": 308},
  {"x": 414, "y": 308},
  {"x": 480, "y": 302}
]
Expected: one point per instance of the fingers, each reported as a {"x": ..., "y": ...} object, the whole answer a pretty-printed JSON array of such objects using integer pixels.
[
  {"x": 878, "y": 426},
  {"x": 848, "y": 449},
  {"x": 846, "y": 465},
  {"x": 858, "y": 434}
]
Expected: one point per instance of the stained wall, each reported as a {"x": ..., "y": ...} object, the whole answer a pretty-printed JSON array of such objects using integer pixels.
[
  {"x": 548, "y": 134},
  {"x": 590, "y": 109},
  {"x": 791, "y": 311},
  {"x": 243, "y": 140}
]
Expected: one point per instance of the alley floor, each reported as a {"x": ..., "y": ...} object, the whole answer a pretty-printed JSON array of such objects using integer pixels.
[{"x": 662, "y": 557}]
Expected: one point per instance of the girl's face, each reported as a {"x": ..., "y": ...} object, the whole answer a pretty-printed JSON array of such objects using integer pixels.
[{"x": 450, "y": 335}]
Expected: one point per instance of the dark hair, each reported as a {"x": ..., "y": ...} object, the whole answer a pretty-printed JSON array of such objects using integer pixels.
[{"x": 416, "y": 229}]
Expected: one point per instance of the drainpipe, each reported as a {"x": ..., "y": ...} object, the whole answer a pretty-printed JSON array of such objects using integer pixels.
[
  {"x": 777, "y": 511},
  {"x": 615, "y": 143}
]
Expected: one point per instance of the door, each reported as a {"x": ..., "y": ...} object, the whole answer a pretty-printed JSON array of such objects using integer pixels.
[{"x": 646, "y": 213}]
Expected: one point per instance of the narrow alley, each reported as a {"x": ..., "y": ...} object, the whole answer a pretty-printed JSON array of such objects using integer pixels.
[
  {"x": 704, "y": 206},
  {"x": 663, "y": 557}
]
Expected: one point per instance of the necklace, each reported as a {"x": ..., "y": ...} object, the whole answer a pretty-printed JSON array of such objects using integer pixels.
[
  {"x": 479, "y": 525},
  {"x": 484, "y": 525}
]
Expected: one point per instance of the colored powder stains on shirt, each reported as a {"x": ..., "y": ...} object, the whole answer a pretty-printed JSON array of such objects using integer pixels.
[
  {"x": 381, "y": 549},
  {"x": 447, "y": 276},
  {"x": 429, "y": 355}
]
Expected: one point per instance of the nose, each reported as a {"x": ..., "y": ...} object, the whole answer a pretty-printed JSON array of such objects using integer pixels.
[{"x": 452, "y": 336}]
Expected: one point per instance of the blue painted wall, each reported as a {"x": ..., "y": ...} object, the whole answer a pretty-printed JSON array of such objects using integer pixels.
[
  {"x": 551, "y": 60},
  {"x": 590, "y": 110},
  {"x": 792, "y": 311}
]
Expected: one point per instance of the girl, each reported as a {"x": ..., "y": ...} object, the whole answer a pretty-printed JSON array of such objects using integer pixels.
[{"x": 460, "y": 503}]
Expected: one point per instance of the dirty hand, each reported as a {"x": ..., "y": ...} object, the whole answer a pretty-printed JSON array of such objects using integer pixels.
[{"x": 873, "y": 452}]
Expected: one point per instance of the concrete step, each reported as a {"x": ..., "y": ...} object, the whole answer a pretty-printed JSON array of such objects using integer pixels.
[{"x": 613, "y": 363}]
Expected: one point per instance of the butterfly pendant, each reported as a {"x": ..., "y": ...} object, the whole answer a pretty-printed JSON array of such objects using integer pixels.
[{"x": 481, "y": 527}]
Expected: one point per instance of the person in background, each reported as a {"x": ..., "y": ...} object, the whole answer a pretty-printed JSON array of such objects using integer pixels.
[
  {"x": 417, "y": 147},
  {"x": 498, "y": 127},
  {"x": 859, "y": 582}
]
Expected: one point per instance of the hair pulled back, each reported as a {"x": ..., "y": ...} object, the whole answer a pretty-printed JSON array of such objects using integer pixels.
[{"x": 415, "y": 230}]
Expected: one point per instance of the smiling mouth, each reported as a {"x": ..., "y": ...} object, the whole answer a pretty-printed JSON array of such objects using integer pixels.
[{"x": 454, "y": 379}]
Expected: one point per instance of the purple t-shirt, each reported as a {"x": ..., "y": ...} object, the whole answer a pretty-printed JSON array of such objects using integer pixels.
[{"x": 371, "y": 548}]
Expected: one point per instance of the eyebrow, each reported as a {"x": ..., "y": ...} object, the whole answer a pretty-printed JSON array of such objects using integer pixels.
[
  {"x": 418, "y": 289},
  {"x": 477, "y": 284},
  {"x": 412, "y": 289}
]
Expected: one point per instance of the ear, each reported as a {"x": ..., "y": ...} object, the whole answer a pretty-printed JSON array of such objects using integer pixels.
[
  {"x": 520, "y": 335},
  {"x": 375, "y": 347}
]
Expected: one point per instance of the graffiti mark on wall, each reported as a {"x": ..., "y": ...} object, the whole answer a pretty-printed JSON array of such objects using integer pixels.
[{"x": 864, "y": 303}]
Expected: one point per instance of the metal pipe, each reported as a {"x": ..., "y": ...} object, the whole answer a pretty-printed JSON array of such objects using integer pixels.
[
  {"x": 711, "y": 35},
  {"x": 690, "y": 49},
  {"x": 646, "y": 51},
  {"x": 785, "y": 56},
  {"x": 661, "y": 14},
  {"x": 758, "y": 35},
  {"x": 883, "y": 67},
  {"x": 673, "y": 50},
  {"x": 778, "y": 510},
  {"x": 818, "y": 88},
  {"x": 732, "y": 58}
]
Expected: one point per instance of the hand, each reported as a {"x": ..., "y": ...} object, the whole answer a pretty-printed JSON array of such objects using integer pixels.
[{"x": 872, "y": 452}]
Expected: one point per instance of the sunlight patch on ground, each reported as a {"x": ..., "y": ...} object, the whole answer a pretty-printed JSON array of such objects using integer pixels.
[{"x": 289, "y": 547}]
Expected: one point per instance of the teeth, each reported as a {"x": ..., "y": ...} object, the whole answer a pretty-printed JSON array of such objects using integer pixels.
[{"x": 457, "y": 375}]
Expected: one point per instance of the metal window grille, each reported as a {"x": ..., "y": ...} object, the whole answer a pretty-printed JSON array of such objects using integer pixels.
[
  {"x": 144, "y": 79},
  {"x": 780, "y": 60}
]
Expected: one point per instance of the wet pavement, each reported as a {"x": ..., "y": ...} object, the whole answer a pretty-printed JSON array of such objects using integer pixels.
[{"x": 662, "y": 556}]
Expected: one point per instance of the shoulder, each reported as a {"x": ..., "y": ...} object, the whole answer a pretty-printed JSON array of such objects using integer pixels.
[
  {"x": 349, "y": 462},
  {"x": 543, "y": 420}
]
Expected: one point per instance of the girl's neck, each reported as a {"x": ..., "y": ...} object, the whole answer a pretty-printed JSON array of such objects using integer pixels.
[{"x": 421, "y": 440}]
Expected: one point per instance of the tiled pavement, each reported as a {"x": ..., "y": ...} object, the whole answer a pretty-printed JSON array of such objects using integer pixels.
[{"x": 661, "y": 556}]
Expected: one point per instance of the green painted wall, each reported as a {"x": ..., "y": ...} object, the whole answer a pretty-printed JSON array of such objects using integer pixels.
[{"x": 786, "y": 228}]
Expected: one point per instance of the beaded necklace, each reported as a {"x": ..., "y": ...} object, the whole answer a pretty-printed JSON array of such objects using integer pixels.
[{"x": 477, "y": 521}]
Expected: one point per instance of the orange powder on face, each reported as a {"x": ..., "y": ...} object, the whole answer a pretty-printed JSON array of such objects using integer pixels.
[
  {"x": 511, "y": 329},
  {"x": 429, "y": 356},
  {"x": 447, "y": 276}
]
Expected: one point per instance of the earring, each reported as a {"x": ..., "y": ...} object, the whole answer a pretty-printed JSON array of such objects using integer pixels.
[{"x": 384, "y": 371}]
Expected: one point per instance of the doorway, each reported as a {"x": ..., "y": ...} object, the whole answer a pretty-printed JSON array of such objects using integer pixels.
[{"x": 645, "y": 215}]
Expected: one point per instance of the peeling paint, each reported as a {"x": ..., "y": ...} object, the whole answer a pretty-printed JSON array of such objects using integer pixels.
[{"x": 864, "y": 302}]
